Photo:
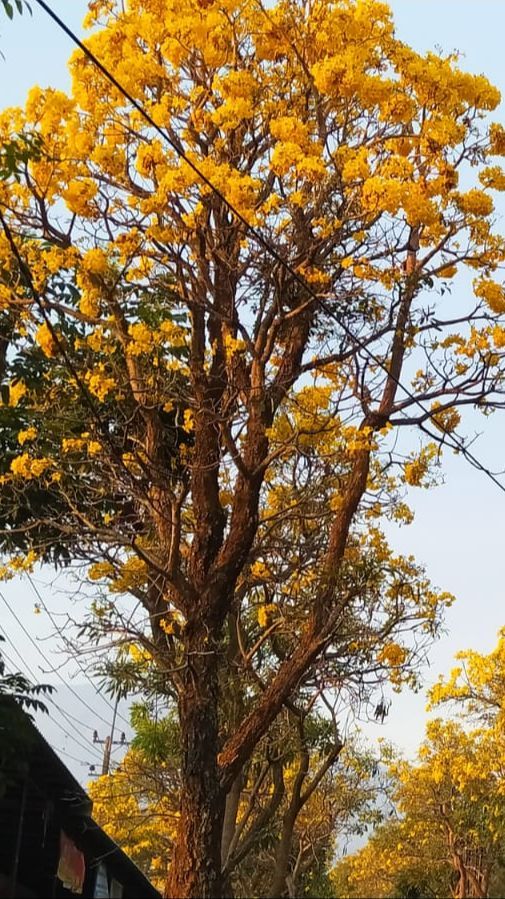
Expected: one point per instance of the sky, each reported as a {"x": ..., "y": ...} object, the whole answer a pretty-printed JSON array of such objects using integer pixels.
[{"x": 458, "y": 529}]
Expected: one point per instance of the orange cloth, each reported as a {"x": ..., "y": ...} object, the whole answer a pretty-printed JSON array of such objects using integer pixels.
[{"x": 71, "y": 868}]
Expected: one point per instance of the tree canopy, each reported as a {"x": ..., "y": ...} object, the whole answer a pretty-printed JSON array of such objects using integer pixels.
[
  {"x": 211, "y": 431},
  {"x": 448, "y": 836}
]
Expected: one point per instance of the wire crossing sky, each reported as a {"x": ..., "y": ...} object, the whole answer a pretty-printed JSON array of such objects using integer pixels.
[
  {"x": 452, "y": 437},
  {"x": 458, "y": 527}
]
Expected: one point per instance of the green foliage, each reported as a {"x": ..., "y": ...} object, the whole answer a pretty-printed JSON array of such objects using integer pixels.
[
  {"x": 19, "y": 151},
  {"x": 20, "y": 5},
  {"x": 157, "y": 738}
]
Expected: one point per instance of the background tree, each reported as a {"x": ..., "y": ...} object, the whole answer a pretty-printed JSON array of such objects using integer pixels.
[
  {"x": 197, "y": 392},
  {"x": 449, "y": 834},
  {"x": 391, "y": 864},
  {"x": 457, "y": 790},
  {"x": 476, "y": 687}
]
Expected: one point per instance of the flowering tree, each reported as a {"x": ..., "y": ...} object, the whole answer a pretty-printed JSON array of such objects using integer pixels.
[
  {"x": 451, "y": 826},
  {"x": 216, "y": 428},
  {"x": 476, "y": 686}
]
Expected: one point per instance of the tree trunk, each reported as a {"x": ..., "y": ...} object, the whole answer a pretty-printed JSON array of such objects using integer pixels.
[
  {"x": 229, "y": 827},
  {"x": 230, "y": 817},
  {"x": 281, "y": 870},
  {"x": 196, "y": 866}
]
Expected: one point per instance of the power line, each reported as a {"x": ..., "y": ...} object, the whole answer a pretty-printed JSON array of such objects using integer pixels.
[
  {"x": 47, "y": 698},
  {"x": 457, "y": 441},
  {"x": 67, "y": 715},
  {"x": 48, "y": 663},
  {"x": 80, "y": 666},
  {"x": 73, "y": 757}
]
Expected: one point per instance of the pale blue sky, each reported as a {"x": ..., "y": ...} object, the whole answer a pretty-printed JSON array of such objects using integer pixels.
[{"x": 458, "y": 530}]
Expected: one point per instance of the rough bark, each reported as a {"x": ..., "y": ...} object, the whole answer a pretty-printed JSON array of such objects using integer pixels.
[{"x": 196, "y": 865}]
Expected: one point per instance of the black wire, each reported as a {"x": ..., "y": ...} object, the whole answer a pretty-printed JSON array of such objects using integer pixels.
[
  {"x": 46, "y": 660},
  {"x": 81, "y": 668},
  {"x": 457, "y": 441},
  {"x": 87, "y": 747},
  {"x": 49, "y": 699},
  {"x": 73, "y": 757}
]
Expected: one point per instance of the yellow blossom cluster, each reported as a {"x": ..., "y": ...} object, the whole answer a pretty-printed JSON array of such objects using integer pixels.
[
  {"x": 101, "y": 570},
  {"x": 493, "y": 177},
  {"x": 27, "y": 436},
  {"x": 130, "y": 575},
  {"x": 27, "y": 467},
  {"x": 18, "y": 564},
  {"x": 492, "y": 292},
  {"x": 446, "y": 419},
  {"x": 417, "y": 468},
  {"x": 79, "y": 194},
  {"x": 17, "y": 391},
  {"x": 475, "y": 202},
  {"x": 99, "y": 383},
  {"x": 46, "y": 341},
  {"x": 265, "y": 614}
]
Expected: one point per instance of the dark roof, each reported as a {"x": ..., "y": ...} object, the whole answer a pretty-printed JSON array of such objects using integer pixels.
[
  {"x": 48, "y": 771},
  {"x": 105, "y": 848},
  {"x": 47, "y": 765}
]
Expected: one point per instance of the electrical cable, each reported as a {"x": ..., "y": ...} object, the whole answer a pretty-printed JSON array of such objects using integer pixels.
[
  {"x": 77, "y": 661},
  {"x": 67, "y": 715},
  {"x": 457, "y": 442},
  {"x": 86, "y": 747}
]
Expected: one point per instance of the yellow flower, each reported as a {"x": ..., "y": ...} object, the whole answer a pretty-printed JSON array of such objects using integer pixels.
[
  {"x": 497, "y": 139},
  {"x": 100, "y": 570},
  {"x": 45, "y": 340},
  {"x": 27, "y": 436},
  {"x": 265, "y": 614},
  {"x": 99, "y": 384},
  {"x": 94, "y": 447},
  {"x": 233, "y": 345},
  {"x": 72, "y": 444},
  {"x": 141, "y": 656},
  {"x": 260, "y": 570},
  {"x": 143, "y": 339},
  {"x": 475, "y": 202},
  {"x": 392, "y": 654},
  {"x": 492, "y": 293},
  {"x": 414, "y": 472},
  {"x": 499, "y": 336},
  {"x": 25, "y": 467},
  {"x": 189, "y": 422},
  {"x": 446, "y": 419},
  {"x": 95, "y": 261},
  {"x": 79, "y": 194},
  {"x": 494, "y": 177},
  {"x": 167, "y": 626},
  {"x": 16, "y": 392}
]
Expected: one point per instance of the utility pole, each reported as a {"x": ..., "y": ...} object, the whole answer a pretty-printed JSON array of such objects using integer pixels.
[{"x": 109, "y": 742}]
